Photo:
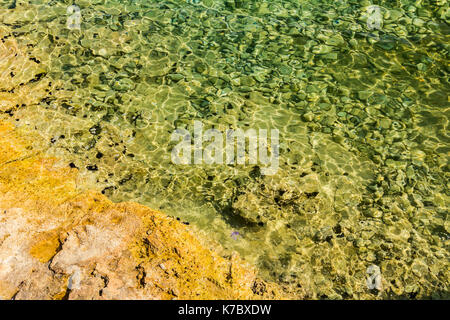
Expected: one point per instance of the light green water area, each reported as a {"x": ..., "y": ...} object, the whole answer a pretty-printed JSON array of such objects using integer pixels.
[{"x": 362, "y": 112}]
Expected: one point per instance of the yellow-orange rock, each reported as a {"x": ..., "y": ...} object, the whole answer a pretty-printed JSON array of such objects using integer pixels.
[{"x": 58, "y": 241}]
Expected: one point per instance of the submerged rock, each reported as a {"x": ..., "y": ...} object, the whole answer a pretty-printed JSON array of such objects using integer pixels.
[
  {"x": 60, "y": 241},
  {"x": 324, "y": 216},
  {"x": 22, "y": 80}
]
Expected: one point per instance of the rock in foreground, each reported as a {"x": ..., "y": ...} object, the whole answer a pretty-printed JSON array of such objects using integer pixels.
[{"x": 60, "y": 242}]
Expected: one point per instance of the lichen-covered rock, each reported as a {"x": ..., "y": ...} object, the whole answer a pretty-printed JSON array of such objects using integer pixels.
[{"x": 59, "y": 242}]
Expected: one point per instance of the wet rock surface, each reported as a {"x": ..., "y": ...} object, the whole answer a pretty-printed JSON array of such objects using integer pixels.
[
  {"x": 60, "y": 242},
  {"x": 362, "y": 114}
]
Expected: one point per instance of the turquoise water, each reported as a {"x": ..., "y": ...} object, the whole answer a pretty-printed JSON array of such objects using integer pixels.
[{"x": 362, "y": 114}]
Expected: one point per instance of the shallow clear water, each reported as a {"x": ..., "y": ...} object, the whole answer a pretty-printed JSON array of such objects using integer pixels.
[{"x": 362, "y": 113}]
